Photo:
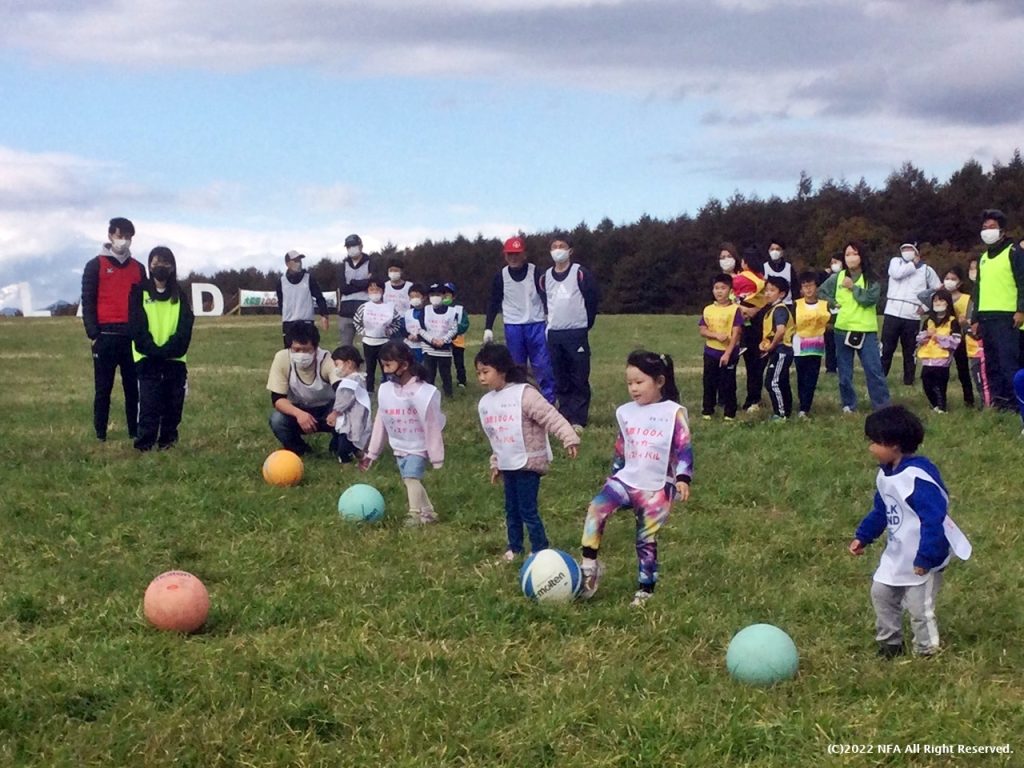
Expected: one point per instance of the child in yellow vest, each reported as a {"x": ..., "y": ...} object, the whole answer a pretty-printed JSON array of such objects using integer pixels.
[
  {"x": 720, "y": 324},
  {"x": 776, "y": 347},
  {"x": 936, "y": 343}
]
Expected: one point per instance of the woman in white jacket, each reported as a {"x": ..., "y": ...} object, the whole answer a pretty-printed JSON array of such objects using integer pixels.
[{"x": 908, "y": 276}]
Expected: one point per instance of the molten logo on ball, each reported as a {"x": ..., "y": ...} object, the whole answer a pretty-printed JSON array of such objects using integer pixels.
[{"x": 176, "y": 601}]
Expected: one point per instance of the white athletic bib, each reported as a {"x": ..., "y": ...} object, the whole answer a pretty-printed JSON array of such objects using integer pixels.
[
  {"x": 398, "y": 296},
  {"x": 896, "y": 566},
  {"x": 412, "y": 328},
  {"x": 296, "y": 300},
  {"x": 647, "y": 444},
  {"x": 566, "y": 308},
  {"x": 501, "y": 416},
  {"x": 521, "y": 303},
  {"x": 376, "y": 318},
  {"x": 362, "y": 397},
  {"x": 405, "y": 417}
]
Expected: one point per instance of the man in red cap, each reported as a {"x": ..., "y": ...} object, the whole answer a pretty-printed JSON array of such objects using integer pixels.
[{"x": 516, "y": 294}]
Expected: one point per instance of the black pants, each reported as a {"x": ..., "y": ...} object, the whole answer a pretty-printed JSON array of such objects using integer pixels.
[
  {"x": 934, "y": 381},
  {"x": 1002, "y": 356},
  {"x": 459, "y": 358},
  {"x": 776, "y": 380},
  {"x": 899, "y": 330},
  {"x": 162, "y": 386},
  {"x": 370, "y": 355},
  {"x": 287, "y": 430},
  {"x": 719, "y": 386},
  {"x": 110, "y": 351},
  {"x": 435, "y": 364},
  {"x": 963, "y": 371},
  {"x": 569, "y": 351},
  {"x": 752, "y": 361},
  {"x": 830, "y": 350},
  {"x": 343, "y": 448},
  {"x": 808, "y": 367}
]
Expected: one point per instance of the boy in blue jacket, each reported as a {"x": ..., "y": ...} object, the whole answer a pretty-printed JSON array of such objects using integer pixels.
[{"x": 911, "y": 501}]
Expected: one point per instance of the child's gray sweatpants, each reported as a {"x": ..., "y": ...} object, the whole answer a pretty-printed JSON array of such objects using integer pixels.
[{"x": 919, "y": 601}]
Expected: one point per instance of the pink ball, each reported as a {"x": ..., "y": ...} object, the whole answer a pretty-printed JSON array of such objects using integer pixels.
[{"x": 176, "y": 601}]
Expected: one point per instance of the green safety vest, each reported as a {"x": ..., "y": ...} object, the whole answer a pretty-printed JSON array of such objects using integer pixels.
[
  {"x": 162, "y": 318},
  {"x": 995, "y": 273},
  {"x": 852, "y": 316}
]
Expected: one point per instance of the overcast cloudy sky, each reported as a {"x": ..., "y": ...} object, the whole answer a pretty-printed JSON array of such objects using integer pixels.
[{"x": 234, "y": 131}]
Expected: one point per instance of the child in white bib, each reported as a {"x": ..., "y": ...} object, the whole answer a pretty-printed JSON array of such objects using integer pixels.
[
  {"x": 352, "y": 409},
  {"x": 516, "y": 419},
  {"x": 653, "y": 464},
  {"x": 911, "y": 505},
  {"x": 409, "y": 417}
]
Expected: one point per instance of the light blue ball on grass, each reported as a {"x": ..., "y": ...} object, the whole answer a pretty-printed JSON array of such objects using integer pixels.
[
  {"x": 762, "y": 654},
  {"x": 550, "y": 576},
  {"x": 361, "y": 503}
]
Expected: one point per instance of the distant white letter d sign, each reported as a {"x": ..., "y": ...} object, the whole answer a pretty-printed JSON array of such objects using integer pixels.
[{"x": 199, "y": 292}]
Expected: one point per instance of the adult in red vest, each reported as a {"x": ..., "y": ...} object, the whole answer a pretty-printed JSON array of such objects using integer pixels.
[{"x": 106, "y": 283}]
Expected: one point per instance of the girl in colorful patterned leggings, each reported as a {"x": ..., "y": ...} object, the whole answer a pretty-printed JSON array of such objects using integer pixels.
[{"x": 653, "y": 464}]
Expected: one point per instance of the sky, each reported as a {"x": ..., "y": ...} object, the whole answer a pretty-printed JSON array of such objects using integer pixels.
[{"x": 235, "y": 131}]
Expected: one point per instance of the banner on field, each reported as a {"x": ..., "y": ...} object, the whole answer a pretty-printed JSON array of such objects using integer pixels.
[{"x": 268, "y": 299}]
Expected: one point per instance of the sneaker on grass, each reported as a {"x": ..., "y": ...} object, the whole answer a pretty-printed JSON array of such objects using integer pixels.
[{"x": 592, "y": 570}]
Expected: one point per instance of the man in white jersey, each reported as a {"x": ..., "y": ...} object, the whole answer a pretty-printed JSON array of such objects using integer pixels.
[
  {"x": 301, "y": 383},
  {"x": 571, "y": 296},
  {"x": 297, "y": 290},
  {"x": 516, "y": 294}
]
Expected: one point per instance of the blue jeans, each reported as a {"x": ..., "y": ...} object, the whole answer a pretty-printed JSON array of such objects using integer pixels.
[
  {"x": 286, "y": 429},
  {"x": 871, "y": 360},
  {"x": 521, "y": 487}
]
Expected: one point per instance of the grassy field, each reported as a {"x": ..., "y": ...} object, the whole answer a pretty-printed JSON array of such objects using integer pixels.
[{"x": 339, "y": 645}]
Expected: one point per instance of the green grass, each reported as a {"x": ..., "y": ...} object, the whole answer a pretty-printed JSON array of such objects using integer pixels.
[{"x": 333, "y": 644}]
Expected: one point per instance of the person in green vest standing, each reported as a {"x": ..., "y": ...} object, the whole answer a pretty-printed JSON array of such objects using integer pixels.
[
  {"x": 999, "y": 307},
  {"x": 855, "y": 292},
  {"x": 160, "y": 323}
]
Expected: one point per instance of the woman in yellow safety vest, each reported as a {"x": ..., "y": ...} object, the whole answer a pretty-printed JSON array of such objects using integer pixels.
[
  {"x": 855, "y": 292},
  {"x": 160, "y": 322}
]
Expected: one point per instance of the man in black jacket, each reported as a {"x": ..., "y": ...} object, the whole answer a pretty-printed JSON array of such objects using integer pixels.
[{"x": 106, "y": 282}]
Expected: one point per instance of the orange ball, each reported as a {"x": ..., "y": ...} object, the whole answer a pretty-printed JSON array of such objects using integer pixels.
[
  {"x": 282, "y": 468},
  {"x": 176, "y": 601}
]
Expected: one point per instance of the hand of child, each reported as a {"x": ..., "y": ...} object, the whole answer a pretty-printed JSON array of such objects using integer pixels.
[
  {"x": 332, "y": 418},
  {"x": 723, "y": 337},
  {"x": 365, "y": 463},
  {"x": 572, "y": 451},
  {"x": 440, "y": 465},
  {"x": 488, "y": 336},
  {"x": 683, "y": 489},
  {"x": 495, "y": 474},
  {"x": 848, "y": 283},
  {"x": 723, "y": 361},
  {"x": 856, "y": 547},
  {"x": 919, "y": 571}
]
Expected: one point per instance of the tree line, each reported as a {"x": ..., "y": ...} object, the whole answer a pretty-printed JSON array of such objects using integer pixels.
[{"x": 656, "y": 266}]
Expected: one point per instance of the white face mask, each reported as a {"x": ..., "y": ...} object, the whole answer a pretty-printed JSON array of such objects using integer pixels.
[
  {"x": 355, "y": 250},
  {"x": 939, "y": 307},
  {"x": 394, "y": 276},
  {"x": 376, "y": 296},
  {"x": 559, "y": 255},
  {"x": 990, "y": 236},
  {"x": 908, "y": 255},
  {"x": 727, "y": 265},
  {"x": 836, "y": 267},
  {"x": 119, "y": 246},
  {"x": 775, "y": 255},
  {"x": 435, "y": 301},
  {"x": 416, "y": 302},
  {"x": 973, "y": 274},
  {"x": 951, "y": 285},
  {"x": 302, "y": 359}
]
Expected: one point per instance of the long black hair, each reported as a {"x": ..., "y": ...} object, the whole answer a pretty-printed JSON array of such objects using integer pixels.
[
  {"x": 655, "y": 365},
  {"x": 498, "y": 357},
  {"x": 865, "y": 262},
  {"x": 165, "y": 255},
  {"x": 399, "y": 352},
  {"x": 944, "y": 295}
]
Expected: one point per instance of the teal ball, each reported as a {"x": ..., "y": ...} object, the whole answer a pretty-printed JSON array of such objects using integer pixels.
[
  {"x": 762, "y": 654},
  {"x": 361, "y": 503}
]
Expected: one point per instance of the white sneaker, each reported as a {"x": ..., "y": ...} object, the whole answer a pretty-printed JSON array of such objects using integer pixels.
[
  {"x": 802, "y": 415},
  {"x": 847, "y": 409},
  {"x": 592, "y": 571},
  {"x": 754, "y": 408},
  {"x": 938, "y": 410},
  {"x": 640, "y": 597},
  {"x": 505, "y": 559}
]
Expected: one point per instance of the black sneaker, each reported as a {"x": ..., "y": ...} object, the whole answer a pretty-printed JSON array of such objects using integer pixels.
[{"x": 890, "y": 650}]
